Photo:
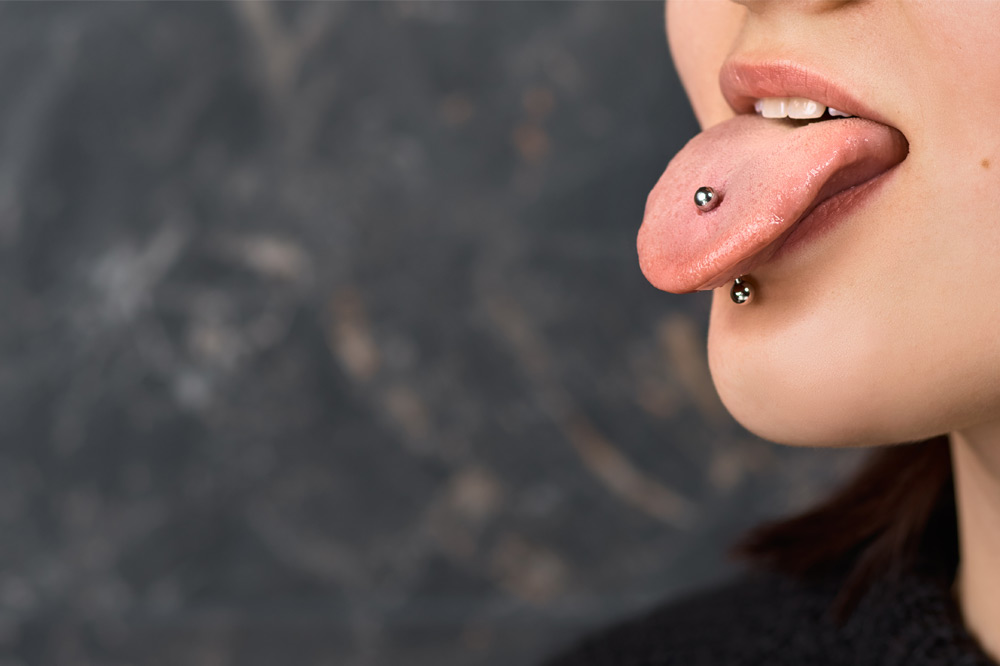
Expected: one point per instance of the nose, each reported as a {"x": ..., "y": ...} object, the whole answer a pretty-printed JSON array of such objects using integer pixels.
[{"x": 804, "y": 6}]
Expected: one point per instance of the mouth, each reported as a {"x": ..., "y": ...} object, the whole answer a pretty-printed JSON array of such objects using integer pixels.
[
  {"x": 747, "y": 85},
  {"x": 801, "y": 154}
]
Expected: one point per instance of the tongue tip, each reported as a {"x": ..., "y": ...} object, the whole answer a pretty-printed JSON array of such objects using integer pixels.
[
  {"x": 671, "y": 263},
  {"x": 666, "y": 280},
  {"x": 665, "y": 276}
]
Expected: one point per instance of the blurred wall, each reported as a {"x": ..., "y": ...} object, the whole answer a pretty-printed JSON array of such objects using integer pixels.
[{"x": 324, "y": 340}]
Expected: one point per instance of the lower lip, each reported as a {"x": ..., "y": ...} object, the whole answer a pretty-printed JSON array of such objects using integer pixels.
[{"x": 827, "y": 215}]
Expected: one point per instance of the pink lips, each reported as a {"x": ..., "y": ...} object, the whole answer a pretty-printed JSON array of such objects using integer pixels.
[
  {"x": 743, "y": 82},
  {"x": 769, "y": 174}
]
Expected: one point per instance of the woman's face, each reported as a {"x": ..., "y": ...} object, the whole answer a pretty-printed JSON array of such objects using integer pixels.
[{"x": 887, "y": 328}]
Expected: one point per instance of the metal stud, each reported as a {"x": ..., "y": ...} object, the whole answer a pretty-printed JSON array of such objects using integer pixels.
[
  {"x": 742, "y": 291},
  {"x": 706, "y": 199}
]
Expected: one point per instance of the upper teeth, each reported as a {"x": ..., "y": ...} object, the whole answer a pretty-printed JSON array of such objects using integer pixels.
[{"x": 793, "y": 107}]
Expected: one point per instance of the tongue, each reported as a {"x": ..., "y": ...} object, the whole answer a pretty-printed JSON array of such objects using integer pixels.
[{"x": 769, "y": 174}]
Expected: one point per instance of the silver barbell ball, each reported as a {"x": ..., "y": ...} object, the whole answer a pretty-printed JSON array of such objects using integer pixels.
[
  {"x": 706, "y": 199},
  {"x": 742, "y": 291}
]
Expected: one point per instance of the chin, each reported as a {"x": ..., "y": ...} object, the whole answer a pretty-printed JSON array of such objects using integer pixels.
[
  {"x": 786, "y": 417},
  {"x": 801, "y": 381}
]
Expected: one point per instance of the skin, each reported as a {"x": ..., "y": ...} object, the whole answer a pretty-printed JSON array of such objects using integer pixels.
[{"x": 887, "y": 329}]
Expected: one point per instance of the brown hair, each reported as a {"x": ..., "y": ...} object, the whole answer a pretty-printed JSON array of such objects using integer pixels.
[{"x": 895, "y": 513}]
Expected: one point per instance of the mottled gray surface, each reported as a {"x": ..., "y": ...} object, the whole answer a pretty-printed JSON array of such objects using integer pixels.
[{"x": 324, "y": 340}]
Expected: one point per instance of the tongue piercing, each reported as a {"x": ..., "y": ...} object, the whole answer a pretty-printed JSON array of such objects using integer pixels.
[
  {"x": 742, "y": 291},
  {"x": 706, "y": 199}
]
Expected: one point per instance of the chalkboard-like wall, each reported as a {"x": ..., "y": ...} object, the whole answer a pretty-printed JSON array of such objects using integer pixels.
[{"x": 324, "y": 340}]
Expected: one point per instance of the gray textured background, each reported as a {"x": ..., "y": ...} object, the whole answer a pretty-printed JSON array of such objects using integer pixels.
[{"x": 324, "y": 340}]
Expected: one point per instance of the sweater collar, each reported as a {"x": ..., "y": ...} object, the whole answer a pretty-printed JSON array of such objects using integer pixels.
[{"x": 916, "y": 621}]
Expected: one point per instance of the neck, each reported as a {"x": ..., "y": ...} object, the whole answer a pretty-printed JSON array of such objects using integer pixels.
[{"x": 976, "y": 459}]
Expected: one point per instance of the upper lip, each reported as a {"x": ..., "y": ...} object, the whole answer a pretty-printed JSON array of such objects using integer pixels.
[{"x": 743, "y": 82}]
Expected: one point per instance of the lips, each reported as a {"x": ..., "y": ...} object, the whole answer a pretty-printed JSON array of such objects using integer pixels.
[
  {"x": 769, "y": 174},
  {"x": 744, "y": 82}
]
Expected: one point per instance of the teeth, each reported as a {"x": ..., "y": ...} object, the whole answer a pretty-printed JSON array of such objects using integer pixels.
[
  {"x": 803, "y": 109},
  {"x": 774, "y": 107},
  {"x": 798, "y": 108}
]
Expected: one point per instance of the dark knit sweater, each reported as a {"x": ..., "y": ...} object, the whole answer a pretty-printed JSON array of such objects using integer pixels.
[{"x": 767, "y": 619}]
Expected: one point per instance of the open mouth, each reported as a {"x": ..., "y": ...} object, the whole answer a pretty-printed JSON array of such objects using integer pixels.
[{"x": 799, "y": 145}]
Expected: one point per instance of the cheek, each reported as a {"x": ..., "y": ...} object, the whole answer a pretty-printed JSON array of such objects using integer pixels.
[{"x": 957, "y": 86}]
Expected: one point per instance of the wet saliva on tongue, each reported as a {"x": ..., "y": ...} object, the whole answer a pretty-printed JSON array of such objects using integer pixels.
[{"x": 768, "y": 174}]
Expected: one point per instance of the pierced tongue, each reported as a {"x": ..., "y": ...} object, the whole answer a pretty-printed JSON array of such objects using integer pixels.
[{"x": 769, "y": 174}]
